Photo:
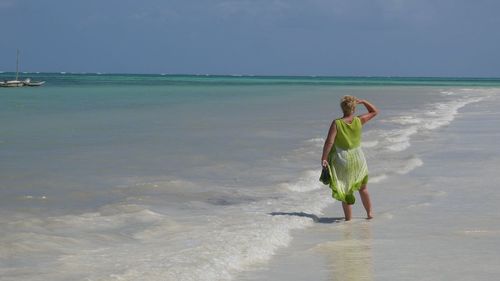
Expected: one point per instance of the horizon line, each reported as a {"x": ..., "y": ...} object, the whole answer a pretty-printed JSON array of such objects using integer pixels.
[{"x": 250, "y": 75}]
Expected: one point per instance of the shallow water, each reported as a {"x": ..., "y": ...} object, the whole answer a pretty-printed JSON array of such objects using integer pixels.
[
  {"x": 188, "y": 178},
  {"x": 437, "y": 222}
]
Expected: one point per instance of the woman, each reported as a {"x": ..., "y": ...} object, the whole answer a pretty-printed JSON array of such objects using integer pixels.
[{"x": 343, "y": 157}]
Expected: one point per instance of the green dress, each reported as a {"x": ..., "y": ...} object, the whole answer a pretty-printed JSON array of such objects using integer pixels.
[{"x": 347, "y": 170}]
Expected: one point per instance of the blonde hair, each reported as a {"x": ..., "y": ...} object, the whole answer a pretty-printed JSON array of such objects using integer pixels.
[{"x": 348, "y": 104}]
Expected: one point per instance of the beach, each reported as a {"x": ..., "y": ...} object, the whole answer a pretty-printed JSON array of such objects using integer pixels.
[
  {"x": 158, "y": 177},
  {"x": 438, "y": 222}
]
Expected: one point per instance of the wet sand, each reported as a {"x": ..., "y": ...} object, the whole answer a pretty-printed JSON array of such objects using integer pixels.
[{"x": 439, "y": 222}]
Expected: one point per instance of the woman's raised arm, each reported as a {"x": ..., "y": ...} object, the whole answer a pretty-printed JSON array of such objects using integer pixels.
[{"x": 372, "y": 111}]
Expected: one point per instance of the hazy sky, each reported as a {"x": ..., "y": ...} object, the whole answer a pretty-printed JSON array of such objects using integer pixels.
[{"x": 269, "y": 37}]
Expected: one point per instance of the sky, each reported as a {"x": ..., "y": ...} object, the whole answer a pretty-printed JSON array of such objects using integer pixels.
[{"x": 448, "y": 38}]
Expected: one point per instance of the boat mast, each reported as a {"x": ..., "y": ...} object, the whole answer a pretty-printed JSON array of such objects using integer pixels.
[{"x": 17, "y": 65}]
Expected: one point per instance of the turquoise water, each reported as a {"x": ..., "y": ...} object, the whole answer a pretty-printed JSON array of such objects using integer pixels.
[
  {"x": 81, "y": 79},
  {"x": 183, "y": 171}
]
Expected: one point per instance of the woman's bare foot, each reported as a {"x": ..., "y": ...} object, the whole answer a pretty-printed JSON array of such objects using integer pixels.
[{"x": 369, "y": 216}]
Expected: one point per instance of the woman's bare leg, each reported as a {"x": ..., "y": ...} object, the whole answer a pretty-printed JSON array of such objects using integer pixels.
[
  {"x": 365, "y": 198},
  {"x": 347, "y": 211}
]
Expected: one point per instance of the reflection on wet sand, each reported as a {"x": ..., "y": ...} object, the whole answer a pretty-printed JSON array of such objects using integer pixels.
[{"x": 350, "y": 258}]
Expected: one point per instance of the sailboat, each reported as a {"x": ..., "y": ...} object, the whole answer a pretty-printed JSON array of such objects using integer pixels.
[{"x": 17, "y": 82}]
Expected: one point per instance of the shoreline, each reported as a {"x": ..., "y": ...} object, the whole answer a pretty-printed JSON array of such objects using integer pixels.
[{"x": 404, "y": 240}]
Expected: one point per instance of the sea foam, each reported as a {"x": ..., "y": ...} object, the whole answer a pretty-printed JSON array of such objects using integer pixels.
[
  {"x": 410, "y": 165},
  {"x": 125, "y": 241},
  {"x": 433, "y": 117}
]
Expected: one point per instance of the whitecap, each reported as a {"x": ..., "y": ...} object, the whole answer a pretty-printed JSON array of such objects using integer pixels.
[
  {"x": 309, "y": 181},
  {"x": 378, "y": 178},
  {"x": 410, "y": 165},
  {"x": 407, "y": 120},
  {"x": 316, "y": 141},
  {"x": 368, "y": 144},
  {"x": 34, "y": 197},
  {"x": 399, "y": 139},
  {"x": 438, "y": 115},
  {"x": 444, "y": 113}
]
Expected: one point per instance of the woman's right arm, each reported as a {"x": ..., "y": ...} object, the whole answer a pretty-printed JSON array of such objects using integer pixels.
[
  {"x": 328, "y": 144},
  {"x": 372, "y": 111}
]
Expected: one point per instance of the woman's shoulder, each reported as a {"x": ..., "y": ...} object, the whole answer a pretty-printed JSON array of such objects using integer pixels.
[{"x": 341, "y": 120}]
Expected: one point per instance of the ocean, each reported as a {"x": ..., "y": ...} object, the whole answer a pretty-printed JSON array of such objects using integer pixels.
[{"x": 199, "y": 177}]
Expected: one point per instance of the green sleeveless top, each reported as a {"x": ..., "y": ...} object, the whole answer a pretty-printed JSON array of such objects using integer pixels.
[{"x": 348, "y": 135}]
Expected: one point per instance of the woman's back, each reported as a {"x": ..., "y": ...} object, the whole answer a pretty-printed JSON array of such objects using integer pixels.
[{"x": 348, "y": 134}]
